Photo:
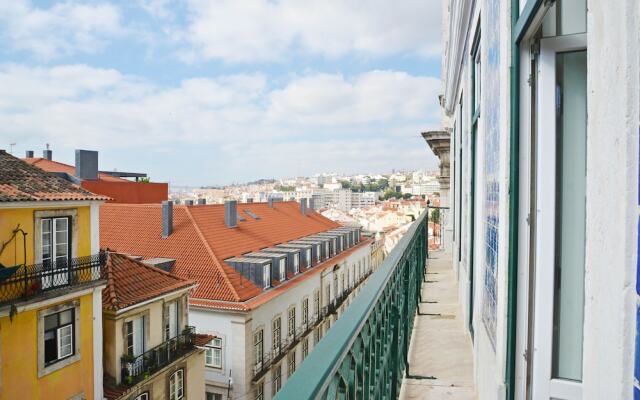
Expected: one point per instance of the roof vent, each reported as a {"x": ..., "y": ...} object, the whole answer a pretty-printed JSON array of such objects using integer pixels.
[
  {"x": 202, "y": 201},
  {"x": 167, "y": 218},
  {"x": 87, "y": 164},
  {"x": 303, "y": 206},
  {"x": 231, "y": 213},
  {"x": 47, "y": 154},
  {"x": 29, "y": 154}
]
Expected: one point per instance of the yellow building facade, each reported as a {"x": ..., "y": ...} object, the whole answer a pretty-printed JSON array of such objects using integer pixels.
[{"x": 51, "y": 281}]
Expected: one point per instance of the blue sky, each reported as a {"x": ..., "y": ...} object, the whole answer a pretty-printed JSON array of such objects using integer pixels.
[{"x": 199, "y": 92}]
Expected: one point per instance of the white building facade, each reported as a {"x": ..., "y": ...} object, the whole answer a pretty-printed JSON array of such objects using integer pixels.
[
  {"x": 262, "y": 345},
  {"x": 542, "y": 100}
]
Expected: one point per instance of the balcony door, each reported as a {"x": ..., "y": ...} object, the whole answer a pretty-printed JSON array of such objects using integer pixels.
[
  {"x": 559, "y": 245},
  {"x": 55, "y": 250}
]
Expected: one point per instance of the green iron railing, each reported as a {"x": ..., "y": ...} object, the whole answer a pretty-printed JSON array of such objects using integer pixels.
[{"x": 365, "y": 354}]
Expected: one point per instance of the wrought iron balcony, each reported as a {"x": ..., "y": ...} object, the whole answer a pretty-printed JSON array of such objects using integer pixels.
[
  {"x": 364, "y": 354},
  {"x": 134, "y": 369},
  {"x": 27, "y": 281}
]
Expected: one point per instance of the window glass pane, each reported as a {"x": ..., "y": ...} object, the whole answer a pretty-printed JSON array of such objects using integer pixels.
[
  {"x": 565, "y": 17},
  {"x": 571, "y": 136},
  {"x": 66, "y": 317},
  {"x": 50, "y": 347},
  {"x": 217, "y": 342},
  {"x": 65, "y": 341},
  {"x": 50, "y": 322}
]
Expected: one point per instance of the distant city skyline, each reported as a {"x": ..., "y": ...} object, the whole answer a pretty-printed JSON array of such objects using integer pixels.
[{"x": 195, "y": 93}]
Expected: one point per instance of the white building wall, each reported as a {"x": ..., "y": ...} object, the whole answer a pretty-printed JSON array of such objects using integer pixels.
[
  {"x": 613, "y": 42},
  {"x": 237, "y": 329}
]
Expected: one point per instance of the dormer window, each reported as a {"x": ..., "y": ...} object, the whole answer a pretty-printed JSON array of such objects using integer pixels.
[
  {"x": 318, "y": 256},
  {"x": 266, "y": 275},
  {"x": 326, "y": 248},
  {"x": 296, "y": 263},
  {"x": 283, "y": 269},
  {"x": 309, "y": 257}
]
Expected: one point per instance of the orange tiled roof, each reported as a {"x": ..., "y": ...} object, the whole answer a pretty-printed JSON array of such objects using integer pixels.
[
  {"x": 131, "y": 282},
  {"x": 201, "y": 240},
  {"x": 55, "y": 166},
  {"x": 20, "y": 181}
]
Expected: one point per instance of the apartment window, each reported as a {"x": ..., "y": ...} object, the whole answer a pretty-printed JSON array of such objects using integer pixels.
[
  {"x": 348, "y": 276},
  {"x": 135, "y": 332},
  {"x": 277, "y": 379},
  {"x": 213, "y": 353},
  {"x": 305, "y": 348},
  {"x": 275, "y": 325},
  {"x": 259, "y": 391},
  {"x": 283, "y": 269},
  {"x": 296, "y": 262},
  {"x": 143, "y": 396},
  {"x": 266, "y": 276},
  {"x": 213, "y": 396},
  {"x": 318, "y": 256},
  {"x": 326, "y": 249},
  {"x": 342, "y": 278},
  {"x": 291, "y": 363},
  {"x": 176, "y": 385},
  {"x": 328, "y": 292},
  {"x": 335, "y": 284},
  {"x": 305, "y": 311},
  {"x": 309, "y": 257},
  {"x": 258, "y": 347},
  {"x": 59, "y": 332},
  {"x": 317, "y": 335},
  {"x": 55, "y": 240},
  {"x": 292, "y": 321},
  {"x": 171, "y": 320},
  {"x": 316, "y": 302}
]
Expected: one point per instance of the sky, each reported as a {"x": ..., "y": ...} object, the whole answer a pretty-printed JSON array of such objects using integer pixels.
[{"x": 201, "y": 92}]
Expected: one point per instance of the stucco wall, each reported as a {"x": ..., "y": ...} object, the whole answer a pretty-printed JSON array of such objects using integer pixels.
[
  {"x": 237, "y": 329},
  {"x": 19, "y": 346}
]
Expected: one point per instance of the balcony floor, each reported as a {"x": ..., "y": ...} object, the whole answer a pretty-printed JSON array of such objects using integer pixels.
[{"x": 440, "y": 354}]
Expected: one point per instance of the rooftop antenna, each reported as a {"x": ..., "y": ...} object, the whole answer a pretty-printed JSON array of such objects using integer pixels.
[{"x": 11, "y": 148}]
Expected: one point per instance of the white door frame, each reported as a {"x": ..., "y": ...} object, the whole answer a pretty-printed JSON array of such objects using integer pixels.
[{"x": 543, "y": 386}]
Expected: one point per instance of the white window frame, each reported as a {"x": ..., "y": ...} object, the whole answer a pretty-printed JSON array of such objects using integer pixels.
[
  {"x": 282, "y": 265},
  {"x": 142, "y": 396},
  {"x": 213, "y": 350},
  {"x": 276, "y": 334},
  {"x": 172, "y": 319},
  {"x": 176, "y": 392},
  {"x": 45, "y": 369},
  {"x": 266, "y": 276},
  {"x": 296, "y": 263},
  {"x": 291, "y": 321}
]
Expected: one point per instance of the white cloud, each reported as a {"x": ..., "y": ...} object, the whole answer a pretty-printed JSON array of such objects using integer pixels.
[
  {"x": 266, "y": 30},
  {"x": 63, "y": 29},
  {"x": 314, "y": 120}
]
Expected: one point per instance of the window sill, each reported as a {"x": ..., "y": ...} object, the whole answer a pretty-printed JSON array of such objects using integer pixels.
[{"x": 58, "y": 365}]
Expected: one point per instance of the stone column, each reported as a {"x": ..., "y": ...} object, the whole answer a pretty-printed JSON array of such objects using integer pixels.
[{"x": 440, "y": 143}]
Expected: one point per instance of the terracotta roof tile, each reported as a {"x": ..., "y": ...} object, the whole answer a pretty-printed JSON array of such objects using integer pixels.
[
  {"x": 201, "y": 240},
  {"x": 55, "y": 166},
  {"x": 201, "y": 339},
  {"x": 20, "y": 181},
  {"x": 130, "y": 282}
]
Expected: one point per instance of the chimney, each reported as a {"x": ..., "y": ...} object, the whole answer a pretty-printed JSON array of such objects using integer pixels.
[
  {"x": 303, "y": 206},
  {"x": 29, "y": 154},
  {"x": 47, "y": 154},
  {"x": 188, "y": 202},
  {"x": 202, "y": 201},
  {"x": 312, "y": 204},
  {"x": 87, "y": 164},
  {"x": 167, "y": 218},
  {"x": 270, "y": 202},
  {"x": 231, "y": 213}
]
